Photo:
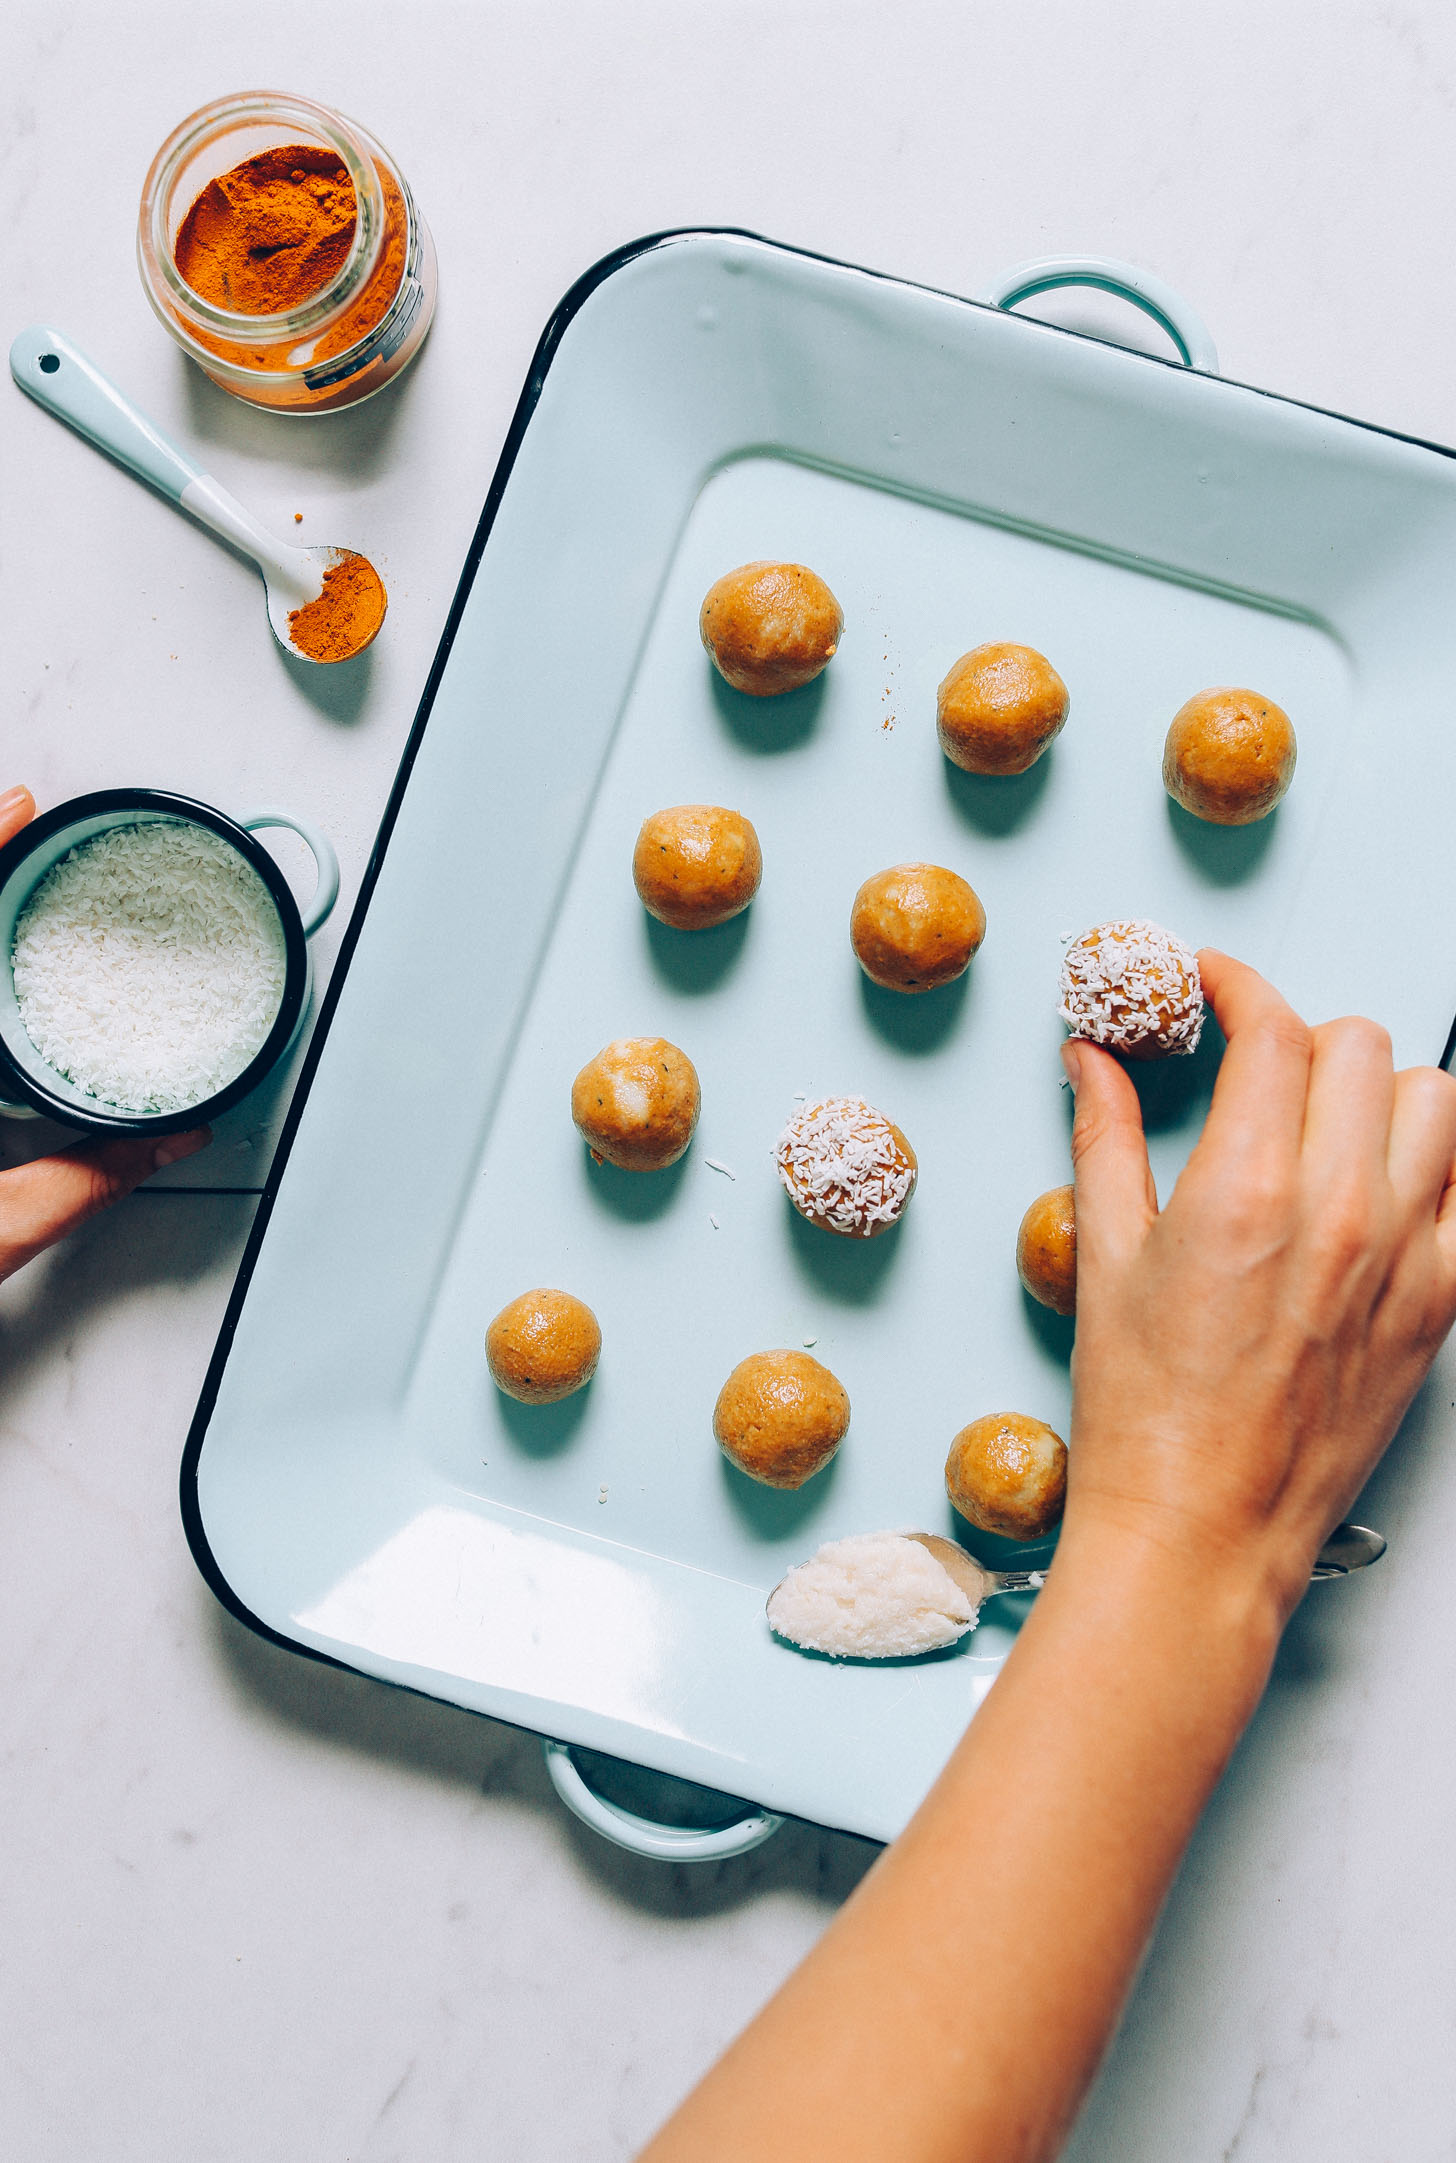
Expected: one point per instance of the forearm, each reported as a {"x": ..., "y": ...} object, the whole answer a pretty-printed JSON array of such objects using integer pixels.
[
  {"x": 959, "y": 2006},
  {"x": 1243, "y": 1356}
]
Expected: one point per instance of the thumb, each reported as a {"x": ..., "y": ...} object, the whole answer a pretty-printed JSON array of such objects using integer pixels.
[
  {"x": 41, "y": 1202},
  {"x": 17, "y": 809},
  {"x": 1116, "y": 1198}
]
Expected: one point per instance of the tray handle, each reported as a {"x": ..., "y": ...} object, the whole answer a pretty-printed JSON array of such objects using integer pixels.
[
  {"x": 643, "y": 1836},
  {"x": 1168, "y": 309}
]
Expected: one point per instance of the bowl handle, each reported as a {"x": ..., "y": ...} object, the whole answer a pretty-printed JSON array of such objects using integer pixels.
[
  {"x": 326, "y": 863},
  {"x": 1168, "y": 309},
  {"x": 642, "y": 1836}
]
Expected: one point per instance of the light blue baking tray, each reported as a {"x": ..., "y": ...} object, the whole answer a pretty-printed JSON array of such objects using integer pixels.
[{"x": 353, "y": 1485}]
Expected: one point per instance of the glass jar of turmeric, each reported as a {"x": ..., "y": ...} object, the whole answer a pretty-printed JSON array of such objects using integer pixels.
[{"x": 281, "y": 247}]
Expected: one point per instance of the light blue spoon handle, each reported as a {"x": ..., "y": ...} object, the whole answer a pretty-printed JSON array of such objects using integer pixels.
[{"x": 59, "y": 377}]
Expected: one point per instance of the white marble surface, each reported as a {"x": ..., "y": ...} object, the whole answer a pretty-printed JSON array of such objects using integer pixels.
[{"x": 253, "y": 1908}]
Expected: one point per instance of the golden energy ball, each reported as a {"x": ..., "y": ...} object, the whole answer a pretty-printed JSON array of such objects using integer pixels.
[
  {"x": 770, "y": 627},
  {"x": 1046, "y": 1250},
  {"x": 1229, "y": 756},
  {"x": 1007, "y": 1473},
  {"x": 543, "y": 1346},
  {"x": 1135, "y": 988},
  {"x": 780, "y": 1417},
  {"x": 696, "y": 865},
  {"x": 915, "y": 926},
  {"x": 846, "y": 1167},
  {"x": 999, "y": 708},
  {"x": 636, "y": 1104}
]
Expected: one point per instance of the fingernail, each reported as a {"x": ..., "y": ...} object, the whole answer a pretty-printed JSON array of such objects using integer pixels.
[
  {"x": 178, "y": 1146},
  {"x": 1072, "y": 1062},
  {"x": 9, "y": 797}
]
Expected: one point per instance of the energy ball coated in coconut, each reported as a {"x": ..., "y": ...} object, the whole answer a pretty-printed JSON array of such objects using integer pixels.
[
  {"x": 780, "y": 1417},
  {"x": 696, "y": 865},
  {"x": 543, "y": 1346},
  {"x": 999, "y": 708},
  {"x": 1007, "y": 1474},
  {"x": 846, "y": 1167},
  {"x": 1046, "y": 1250},
  {"x": 916, "y": 926},
  {"x": 1135, "y": 988},
  {"x": 770, "y": 627},
  {"x": 636, "y": 1104},
  {"x": 1229, "y": 756}
]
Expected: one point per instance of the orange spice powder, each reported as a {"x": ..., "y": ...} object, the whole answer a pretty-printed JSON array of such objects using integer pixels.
[
  {"x": 346, "y": 615},
  {"x": 271, "y": 232}
]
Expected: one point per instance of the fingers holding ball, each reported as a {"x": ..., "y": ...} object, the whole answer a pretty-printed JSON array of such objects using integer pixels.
[{"x": 1133, "y": 987}]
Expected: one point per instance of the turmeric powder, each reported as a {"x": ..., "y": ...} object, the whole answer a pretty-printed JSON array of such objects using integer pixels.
[
  {"x": 347, "y": 614},
  {"x": 267, "y": 235},
  {"x": 270, "y": 233}
]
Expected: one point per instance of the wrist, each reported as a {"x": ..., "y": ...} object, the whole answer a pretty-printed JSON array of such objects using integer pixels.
[
  {"x": 1200, "y": 1608},
  {"x": 1240, "y": 1545}
]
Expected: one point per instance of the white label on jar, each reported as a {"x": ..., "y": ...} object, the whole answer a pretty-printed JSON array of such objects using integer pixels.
[{"x": 384, "y": 343}]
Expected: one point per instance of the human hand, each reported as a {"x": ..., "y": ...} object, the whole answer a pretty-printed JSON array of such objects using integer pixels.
[
  {"x": 1243, "y": 1358},
  {"x": 41, "y": 1202},
  {"x": 1241, "y": 1361},
  {"x": 17, "y": 809}
]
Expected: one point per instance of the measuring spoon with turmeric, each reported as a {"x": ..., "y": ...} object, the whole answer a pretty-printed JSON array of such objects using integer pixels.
[{"x": 324, "y": 604}]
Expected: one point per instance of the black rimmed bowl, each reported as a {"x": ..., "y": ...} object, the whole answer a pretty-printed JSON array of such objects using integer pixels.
[{"x": 29, "y": 1086}]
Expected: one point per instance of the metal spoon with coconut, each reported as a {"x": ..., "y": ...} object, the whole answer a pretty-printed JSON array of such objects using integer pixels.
[
  {"x": 58, "y": 376},
  {"x": 869, "y": 1598}
]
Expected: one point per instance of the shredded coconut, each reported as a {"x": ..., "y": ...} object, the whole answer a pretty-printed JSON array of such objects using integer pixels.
[
  {"x": 840, "y": 1163},
  {"x": 715, "y": 1165},
  {"x": 1132, "y": 986},
  {"x": 149, "y": 965},
  {"x": 874, "y": 1596}
]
